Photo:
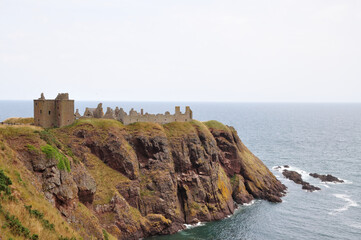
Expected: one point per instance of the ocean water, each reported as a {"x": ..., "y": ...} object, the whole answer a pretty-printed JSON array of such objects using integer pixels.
[{"x": 321, "y": 138}]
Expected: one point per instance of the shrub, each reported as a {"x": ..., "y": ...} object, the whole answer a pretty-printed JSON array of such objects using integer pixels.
[
  {"x": 4, "y": 183},
  {"x": 32, "y": 149},
  {"x": 66, "y": 238},
  {"x": 34, "y": 237},
  {"x": 16, "y": 227},
  {"x": 39, "y": 215},
  {"x": 105, "y": 235},
  {"x": 49, "y": 138}
]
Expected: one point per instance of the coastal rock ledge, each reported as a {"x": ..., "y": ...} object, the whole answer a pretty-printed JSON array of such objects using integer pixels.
[{"x": 138, "y": 180}]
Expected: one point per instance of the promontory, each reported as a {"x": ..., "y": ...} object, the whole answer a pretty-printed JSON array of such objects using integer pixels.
[{"x": 100, "y": 179}]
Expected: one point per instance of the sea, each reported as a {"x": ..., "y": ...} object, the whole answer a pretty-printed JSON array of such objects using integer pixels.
[{"x": 322, "y": 138}]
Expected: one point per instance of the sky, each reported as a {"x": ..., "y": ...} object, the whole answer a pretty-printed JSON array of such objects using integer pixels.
[{"x": 189, "y": 50}]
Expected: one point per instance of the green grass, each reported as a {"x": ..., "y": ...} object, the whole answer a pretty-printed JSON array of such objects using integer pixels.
[
  {"x": 32, "y": 148},
  {"x": 17, "y": 131},
  {"x": 2, "y": 146},
  {"x": 53, "y": 153},
  {"x": 147, "y": 128},
  {"x": 105, "y": 235},
  {"x": 216, "y": 125},
  {"x": 5, "y": 182},
  {"x": 49, "y": 137},
  {"x": 19, "y": 121},
  {"x": 40, "y": 216},
  {"x": 97, "y": 122},
  {"x": 179, "y": 129}
]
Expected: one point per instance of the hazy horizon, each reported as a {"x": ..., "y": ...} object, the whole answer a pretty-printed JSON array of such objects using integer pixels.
[
  {"x": 191, "y": 51},
  {"x": 165, "y": 101}
]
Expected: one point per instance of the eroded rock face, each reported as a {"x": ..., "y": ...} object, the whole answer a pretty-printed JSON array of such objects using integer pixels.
[
  {"x": 186, "y": 178},
  {"x": 146, "y": 179},
  {"x": 85, "y": 183}
]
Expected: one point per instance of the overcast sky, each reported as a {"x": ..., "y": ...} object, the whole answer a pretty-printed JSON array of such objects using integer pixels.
[{"x": 246, "y": 51}]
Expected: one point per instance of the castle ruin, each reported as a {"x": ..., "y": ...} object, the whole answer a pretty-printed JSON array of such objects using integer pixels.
[
  {"x": 134, "y": 116},
  {"x": 56, "y": 112},
  {"x": 59, "y": 112}
]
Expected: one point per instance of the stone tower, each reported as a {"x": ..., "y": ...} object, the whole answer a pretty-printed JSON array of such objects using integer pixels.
[{"x": 56, "y": 112}]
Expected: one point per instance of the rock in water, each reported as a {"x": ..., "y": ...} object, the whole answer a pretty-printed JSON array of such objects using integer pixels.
[
  {"x": 326, "y": 178},
  {"x": 297, "y": 178}
]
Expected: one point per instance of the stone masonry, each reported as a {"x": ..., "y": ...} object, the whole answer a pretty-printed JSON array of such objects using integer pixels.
[
  {"x": 56, "y": 112},
  {"x": 59, "y": 112},
  {"x": 134, "y": 116}
]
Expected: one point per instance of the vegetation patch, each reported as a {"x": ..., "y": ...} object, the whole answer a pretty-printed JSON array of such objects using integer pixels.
[
  {"x": 105, "y": 235},
  {"x": 145, "y": 128},
  {"x": 179, "y": 129},
  {"x": 19, "y": 121},
  {"x": 40, "y": 216},
  {"x": 100, "y": 123},
  {"x": 17, "y": 227},
  {"x": 103, "y": 174},
  {"x": 234, "y": 179},
  {"x": 16, "y": 131},
  {"x": 216, "y": 125},
  {"x": 66, "y": 238},
  {"x": 2, "y": 146},
  {"x": 53, "y": 153},
  {"x": 12, "y": 222},
  {"x": 48, "y": 137},
  {"x": 32, "y": 149},
  {"x": 5, "y": 182}
]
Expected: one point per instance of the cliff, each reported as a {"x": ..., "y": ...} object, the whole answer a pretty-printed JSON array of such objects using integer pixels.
[{"x": 98, "y": 178}]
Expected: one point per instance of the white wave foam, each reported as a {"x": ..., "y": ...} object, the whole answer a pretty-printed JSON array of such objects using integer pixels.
[
  {"x": 346, "y": 181},
  {"x": 304, "y": 174},
  {"x": 349, "y": 203},
  {"x": 249, "y": 204},
  {"x": 355, "y": 225},
  {"x": 189, "y": 226},
  {"x": 325, "y": 185}
]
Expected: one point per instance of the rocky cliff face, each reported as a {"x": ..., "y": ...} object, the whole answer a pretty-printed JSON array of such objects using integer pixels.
[{"x": 143, "y": 179}]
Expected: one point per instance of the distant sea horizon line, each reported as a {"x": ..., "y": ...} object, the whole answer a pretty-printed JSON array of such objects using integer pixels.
[{"x": 194, "y": 101}]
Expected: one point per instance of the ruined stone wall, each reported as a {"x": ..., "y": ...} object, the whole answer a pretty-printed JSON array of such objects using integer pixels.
[
  {"x": 134, "y": 116},
  {"x": 157, "y": 118},
  {"x": 120, "y": 115}
]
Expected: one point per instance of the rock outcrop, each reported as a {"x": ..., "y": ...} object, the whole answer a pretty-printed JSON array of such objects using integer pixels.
[
  {"x": 326, "y": 178},
  {"x": 144, "y": 179},
  {"x": 297, "y": 178}
]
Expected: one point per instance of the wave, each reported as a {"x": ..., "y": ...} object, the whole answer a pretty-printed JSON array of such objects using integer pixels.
[
  {"x": 325, "y": 184},
  {"x": 304, "y": 174},
  {"x": 349, "y": 203},
  {"x": 249, "y": 204},
  {"x": 355, "y": 225},
  {"x": 198, "y": 224},
  {"x": 346, "y": 181}
]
